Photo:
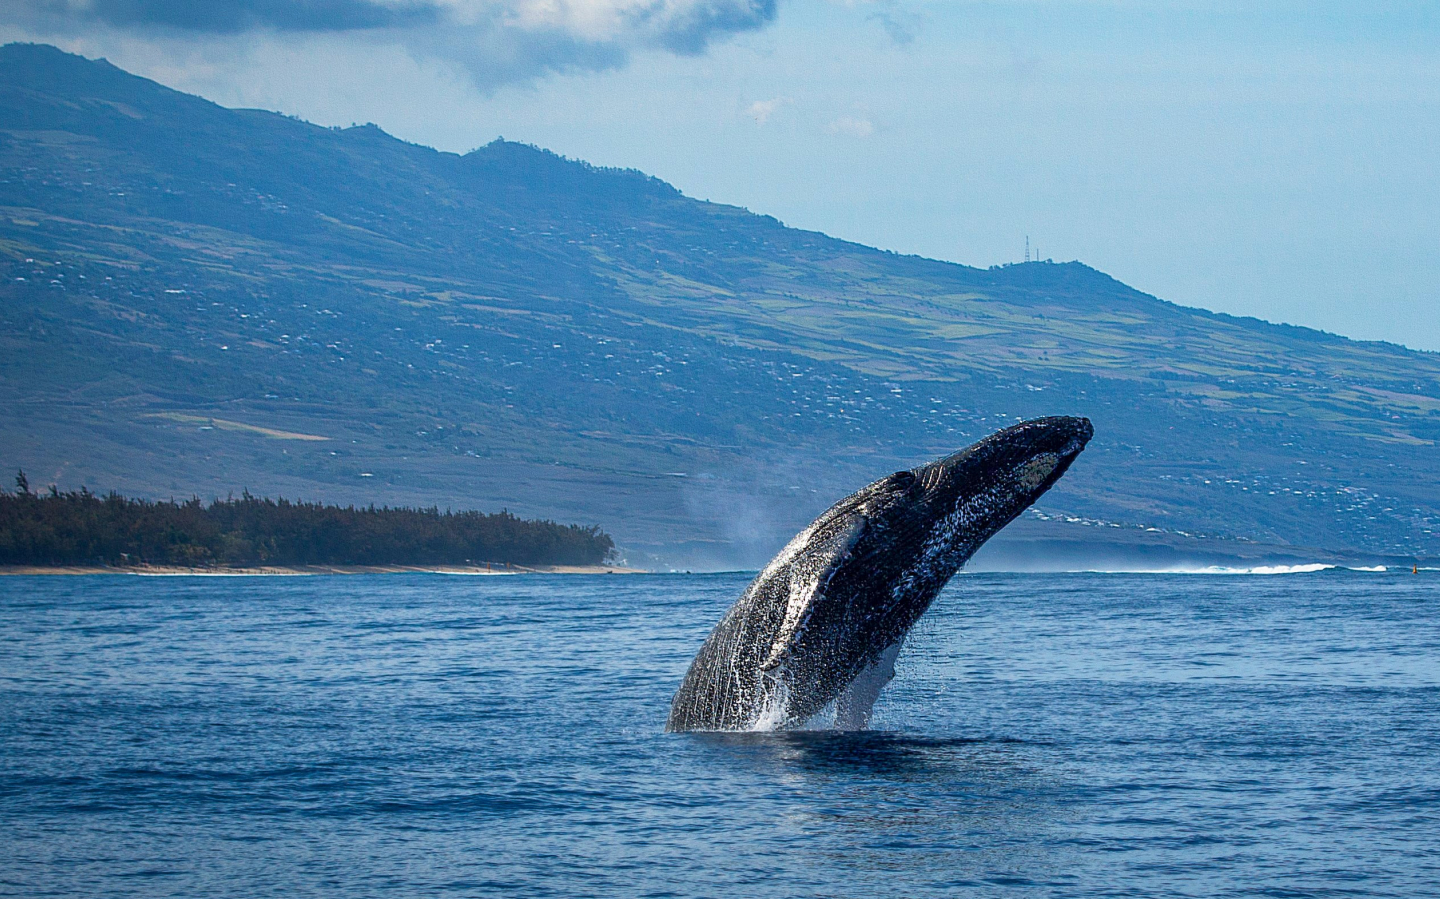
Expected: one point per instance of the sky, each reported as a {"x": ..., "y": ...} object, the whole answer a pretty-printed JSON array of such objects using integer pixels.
[{"x": 1269, "y": 159}]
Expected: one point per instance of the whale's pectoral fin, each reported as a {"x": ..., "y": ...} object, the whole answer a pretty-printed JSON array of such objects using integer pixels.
[
  {"x": 808, "y": 580},
  {"x": 852, "y": 707}
]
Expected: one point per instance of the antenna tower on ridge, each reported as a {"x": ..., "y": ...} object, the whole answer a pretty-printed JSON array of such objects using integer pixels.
[{"x": 1027, "y": 248}]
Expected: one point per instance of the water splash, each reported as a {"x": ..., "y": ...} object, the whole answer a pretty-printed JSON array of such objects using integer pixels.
[{"x": 775, "y": 703}]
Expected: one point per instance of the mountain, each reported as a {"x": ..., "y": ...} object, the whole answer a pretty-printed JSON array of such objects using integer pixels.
[{"x": 199, "y": 299}]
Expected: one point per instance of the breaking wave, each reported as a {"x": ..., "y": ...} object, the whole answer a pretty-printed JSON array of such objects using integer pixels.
[
  {"x": 1302, "y": 568},
  {"x": 1307, "y": 568}
]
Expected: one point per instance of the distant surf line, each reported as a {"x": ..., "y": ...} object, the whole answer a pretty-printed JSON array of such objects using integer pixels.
[{"x": 1264, "y": 570}]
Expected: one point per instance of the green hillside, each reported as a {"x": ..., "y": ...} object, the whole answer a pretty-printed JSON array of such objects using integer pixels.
[{"x": 198, "y": 299}]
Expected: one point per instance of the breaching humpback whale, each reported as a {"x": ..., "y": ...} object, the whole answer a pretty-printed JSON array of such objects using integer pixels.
[{"x": 824, "y": 621}]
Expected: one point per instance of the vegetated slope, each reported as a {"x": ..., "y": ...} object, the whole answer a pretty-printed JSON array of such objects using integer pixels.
[{"x": 197, "y": 298}]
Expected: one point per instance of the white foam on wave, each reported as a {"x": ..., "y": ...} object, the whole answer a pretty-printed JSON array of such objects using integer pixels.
[
  {"x": 1305, "y": 568},
  {"x": 467, "y": 573},
  {"x": 241, "y": 573}
]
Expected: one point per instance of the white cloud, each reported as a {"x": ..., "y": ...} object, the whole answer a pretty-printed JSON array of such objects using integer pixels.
[
  {"x": 497, "y": 41},
  {"x": 852, "y": 126},
  {"x": 762, "y": 110}
]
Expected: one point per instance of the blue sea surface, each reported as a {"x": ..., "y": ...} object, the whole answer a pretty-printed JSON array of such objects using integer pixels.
[{"x": 433, "y": 735}]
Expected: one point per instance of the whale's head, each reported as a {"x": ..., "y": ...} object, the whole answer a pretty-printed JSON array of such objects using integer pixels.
[{"x": 960, "y": 501}]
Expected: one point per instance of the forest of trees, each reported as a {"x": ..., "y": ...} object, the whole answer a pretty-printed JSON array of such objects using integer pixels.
[{"x": 83, "y": 528}]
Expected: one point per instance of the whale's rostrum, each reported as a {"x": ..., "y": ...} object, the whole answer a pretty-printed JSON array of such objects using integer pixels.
[{"x": 823, "y": 622}]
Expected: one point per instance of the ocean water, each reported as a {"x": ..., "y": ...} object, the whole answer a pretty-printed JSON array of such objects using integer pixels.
[{"x": 431, "y": 735}]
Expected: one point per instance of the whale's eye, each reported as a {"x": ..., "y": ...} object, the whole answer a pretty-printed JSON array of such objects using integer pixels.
[{"x": 1032, "y": 473}]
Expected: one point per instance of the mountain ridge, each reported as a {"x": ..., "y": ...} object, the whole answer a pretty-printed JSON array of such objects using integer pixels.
[
  {"x": 532, "y": 298},
  {"x": 542, "y": 160}
]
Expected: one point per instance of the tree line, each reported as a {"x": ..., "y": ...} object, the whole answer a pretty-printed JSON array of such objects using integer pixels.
[{"x": 83, "y": 528}]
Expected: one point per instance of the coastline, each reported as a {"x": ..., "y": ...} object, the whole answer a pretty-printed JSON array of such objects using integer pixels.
[{"x": 310, "y": 570}]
